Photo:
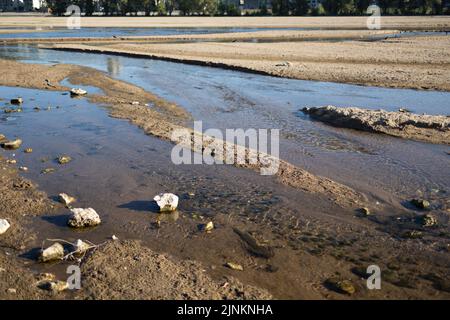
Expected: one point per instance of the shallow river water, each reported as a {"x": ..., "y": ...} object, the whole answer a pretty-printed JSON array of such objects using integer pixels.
[
  {"x": 117, "y": 169},
  {"x": 380, "y": 165}
]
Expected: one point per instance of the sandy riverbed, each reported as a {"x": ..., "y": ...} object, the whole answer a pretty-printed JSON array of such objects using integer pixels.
[
  {"x": 331, "y": 233},
  {"x": 307, "y": 252},
  {"x": 413, "y": 62}
]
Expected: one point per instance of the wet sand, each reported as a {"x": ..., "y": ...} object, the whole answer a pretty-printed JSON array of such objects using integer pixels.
[
  {"x": 414, "y": 62},
  {"x": 19, "y": 202},
  {"x": 313, "y": 225},
  {"x": 160, "y": 121},
  {"x": 309, "y": 248}
]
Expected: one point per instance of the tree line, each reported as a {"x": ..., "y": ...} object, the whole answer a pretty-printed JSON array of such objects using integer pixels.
[{"x": 265, "y": 7}]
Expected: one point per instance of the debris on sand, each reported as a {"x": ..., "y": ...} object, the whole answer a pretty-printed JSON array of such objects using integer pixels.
[
  {"x": 364, "y": 212},
  {"x": 23, "y": 169},
  {"x": 234, "y": 266},
  {"x": 420, "y": 203},
  {"x": 64, "y": 159},
  {"x": 114, "y": 237},
  {"x": 167, "y": 202},
  {"x": 45, "y": 277},
  {"x": 53, "y": 286},
  {"x": 11, "y": 161},
  {"x": 430, "y": 128},
  {"x": 412, "y": 234},
  {"x": 81, "y": 218},
  {"x": 11, "y": 145},
  {"x": 54, "y": 252},
  {"x": 16, "y": 101},
  {"x": 12, "y": 110},
  {"x": 340, "y": 286},
  {"x": 283, "y": 64},
  {"x": 78, "y": 92},
  {"x": 81, "y": 247},
  {"x": 206, "y": 227},
  {"x": 66, "y": 199},
  {"x": 428, "y": 220},
  {"x": 4, "y": 226},
  {"x": 48, "y": 170},
  {"x": 253, "y": 246}
]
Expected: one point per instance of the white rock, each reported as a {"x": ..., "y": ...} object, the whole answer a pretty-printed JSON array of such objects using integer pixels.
[
  {"x": 167, "y": 202},
  {"x": 83, "y": 218},
  {"x": 78, "y": 92},
  {"x": 54, "y": 286},
  {"x": 114, "y": 237},
  {"x": 54, "y": 252},
  {"x": 12, "y": 145},
  {"x": 4, "y": 226},
  {"x": 66, "y": 199},
  {"x": 81, "y": 246}
]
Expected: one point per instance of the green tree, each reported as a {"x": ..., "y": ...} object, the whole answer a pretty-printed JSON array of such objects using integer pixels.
[
  {"x": 300, "y": 7},
  {"x": 280, "y": 7},
  {"x": 161, "y": 7},
  {"x": 208, "y": 7}
]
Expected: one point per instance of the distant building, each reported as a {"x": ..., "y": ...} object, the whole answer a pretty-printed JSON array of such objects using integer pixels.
[{"x": 20, "y": 5}]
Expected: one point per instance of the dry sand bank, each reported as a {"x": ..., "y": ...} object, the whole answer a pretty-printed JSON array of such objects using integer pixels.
[
  {"x": 415, "y": 62},
  {"x": 388, "y": 22},
  {"x": 435, "y": 129},
  {"x": 268, "y": 35}
]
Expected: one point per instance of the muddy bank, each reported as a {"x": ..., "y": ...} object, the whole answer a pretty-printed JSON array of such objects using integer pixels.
[
  {"x": 307, "y": 240},
  {"x": 110, "y": 271},
  {"x": 126, "y": 101},
  {"x": 415, "y": 62},
  {"x": 19, "y": 202},
  {"x": 435, "y": 129},
  {"x": 128, "y": 270},
  {"x": 388, "y": 22}
]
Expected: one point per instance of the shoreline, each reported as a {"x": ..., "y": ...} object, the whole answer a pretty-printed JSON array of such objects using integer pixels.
[
  {"x": 118, "y": 94},
  {"x": 118, "y": 97},
  {"x": 355, "y": 65},
  {"x": 353, "y": 22}
]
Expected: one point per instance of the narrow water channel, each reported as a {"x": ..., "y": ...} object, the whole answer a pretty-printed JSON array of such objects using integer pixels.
[{"x": 384, "y": 167}]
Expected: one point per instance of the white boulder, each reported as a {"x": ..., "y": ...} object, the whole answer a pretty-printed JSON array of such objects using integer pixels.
[
  {"x": 167, "y": 202},
  {"x": 81, "y": 218},
  {"x": 4, "y": 226},
  {"x": 81, "y": 247},
  {"x": 54, "y": 252},
  {"x": 66, "y": 199},
  {"x": 78, "y": 92}
]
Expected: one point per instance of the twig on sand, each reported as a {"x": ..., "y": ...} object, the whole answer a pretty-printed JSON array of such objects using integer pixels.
[{"x": 72, "y": 254}]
